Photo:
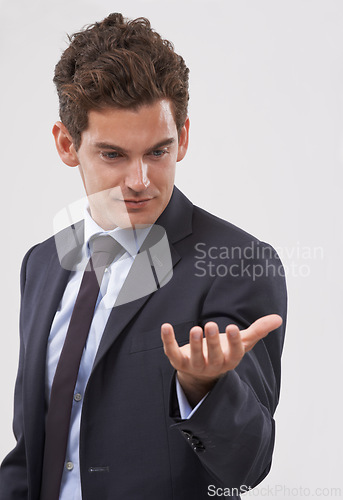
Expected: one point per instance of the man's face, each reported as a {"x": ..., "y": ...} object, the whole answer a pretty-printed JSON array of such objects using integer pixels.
[{"x": 127, "y": 163}]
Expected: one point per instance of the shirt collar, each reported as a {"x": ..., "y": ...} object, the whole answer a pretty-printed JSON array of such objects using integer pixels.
[{"x": 130, "y": 239}]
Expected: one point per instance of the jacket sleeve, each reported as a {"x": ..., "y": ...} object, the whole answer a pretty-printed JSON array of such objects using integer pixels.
[
  {"x": 13, "y": 471},
  {"x": 232, "y": 432}
]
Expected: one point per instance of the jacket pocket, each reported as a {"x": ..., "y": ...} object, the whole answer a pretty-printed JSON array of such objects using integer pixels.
[{"x": 151, "y": 339}]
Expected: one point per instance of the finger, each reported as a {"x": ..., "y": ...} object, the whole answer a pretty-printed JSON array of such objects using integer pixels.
[
  {"x": 215, "y": 354},
  {"x": 260, "y": 329},
  {"x": 170, "y": 346},
  {"x": 236, "y": 347},
  {"x": 196, "y": 343}
]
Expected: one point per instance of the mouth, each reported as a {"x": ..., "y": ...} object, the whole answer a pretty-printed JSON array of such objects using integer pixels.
[{"x": 137, "y": 203}]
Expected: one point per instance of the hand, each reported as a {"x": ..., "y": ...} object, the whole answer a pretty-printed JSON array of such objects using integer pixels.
[{"x": 200, "y": 363}]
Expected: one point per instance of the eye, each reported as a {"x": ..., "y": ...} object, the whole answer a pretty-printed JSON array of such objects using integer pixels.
[
  {"x": 111, "y": 155},
  {"x": 158, "y": 153}
]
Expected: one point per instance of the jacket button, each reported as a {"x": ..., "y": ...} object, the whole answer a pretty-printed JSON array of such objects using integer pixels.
[{"x": 188, "y": 435}]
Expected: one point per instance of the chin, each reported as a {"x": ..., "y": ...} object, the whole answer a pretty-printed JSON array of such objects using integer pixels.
[
  {"x": 117, "y": 215},
  {"x": 142, "y": 220}
]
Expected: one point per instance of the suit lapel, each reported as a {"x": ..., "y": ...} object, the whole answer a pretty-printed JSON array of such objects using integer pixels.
[
  {"x": 173, "y": 225},
  {"x": 37, "y": 332},
  {"x": 50, "y": 294},
  {"x": 125, "y": 309}
]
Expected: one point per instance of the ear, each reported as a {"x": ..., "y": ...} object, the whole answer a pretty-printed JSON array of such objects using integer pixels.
[
  {"x": 65, "y": 145},
  {"x": 183, "y": 141}
]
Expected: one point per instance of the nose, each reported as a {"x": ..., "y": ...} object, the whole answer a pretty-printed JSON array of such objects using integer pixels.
[{"x": 137, "y": 176}]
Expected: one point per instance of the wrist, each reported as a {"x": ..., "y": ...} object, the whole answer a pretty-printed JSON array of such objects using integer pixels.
[{"x": 195, "y": 388}]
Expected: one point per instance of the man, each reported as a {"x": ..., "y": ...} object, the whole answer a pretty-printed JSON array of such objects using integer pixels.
[{"x": 140, "y": 424}]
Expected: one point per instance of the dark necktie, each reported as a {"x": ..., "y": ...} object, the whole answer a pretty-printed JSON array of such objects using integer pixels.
[{"x": 104, "y": 250}]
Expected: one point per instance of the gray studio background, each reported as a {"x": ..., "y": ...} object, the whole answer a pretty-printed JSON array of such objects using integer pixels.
[{"x": 266, "y": 153}]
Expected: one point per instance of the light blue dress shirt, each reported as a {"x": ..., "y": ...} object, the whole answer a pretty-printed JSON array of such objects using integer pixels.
[{"x": 111, "y": 284}]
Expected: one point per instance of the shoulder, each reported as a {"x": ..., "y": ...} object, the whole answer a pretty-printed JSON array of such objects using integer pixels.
[
  {"x": 215, "y": 230},
  {"x": 59, "y": 246},
  {"x": 228, "y": 251},
  {"x": 39, "y": 251},
  {"x": 212, "y": 236},
  {"x": 36, "y": 257}
]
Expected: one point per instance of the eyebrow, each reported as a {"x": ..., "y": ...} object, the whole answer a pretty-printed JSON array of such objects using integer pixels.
[{"x": 105, "y": 145}]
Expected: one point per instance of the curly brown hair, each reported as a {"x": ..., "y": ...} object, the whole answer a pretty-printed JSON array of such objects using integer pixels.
[{"x": 118, "y": 63}]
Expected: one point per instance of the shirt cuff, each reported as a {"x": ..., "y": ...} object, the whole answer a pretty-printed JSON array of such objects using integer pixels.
[{"x": 186, "y": 410}]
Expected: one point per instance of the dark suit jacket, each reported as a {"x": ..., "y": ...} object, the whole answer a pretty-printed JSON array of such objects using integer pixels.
[{"x": 133, "y": 445}]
